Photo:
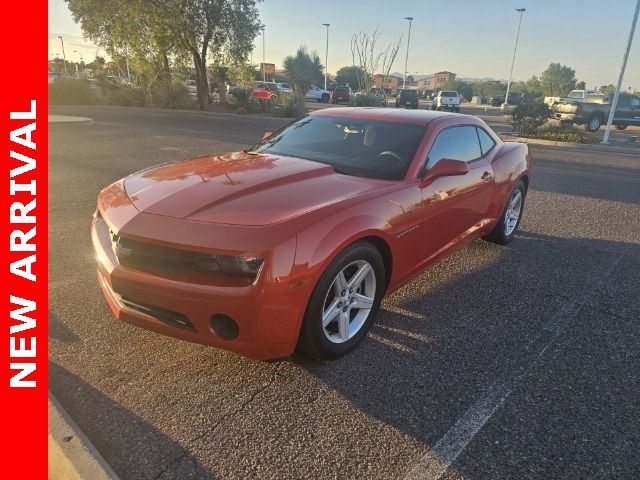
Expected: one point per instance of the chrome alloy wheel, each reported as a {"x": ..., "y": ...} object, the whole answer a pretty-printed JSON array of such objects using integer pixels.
[
  {"x": 348, "y": 301},
  {"x": 512, "y": 215}
]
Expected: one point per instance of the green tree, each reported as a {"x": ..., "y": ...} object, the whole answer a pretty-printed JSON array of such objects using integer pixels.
[
  {"x": 557, "y": 80},
  {"x": 607, "y": 88},
  {"x": 148, "y": 32},
  {"x": 304, "y": 69},
  {"x": 349, "y": 75},
  {"x": 204, "y": 27},
  {"x": 488, "y": 89},
  {"x": 464, "y": 89},
  {"x": 581, "y": 85}
]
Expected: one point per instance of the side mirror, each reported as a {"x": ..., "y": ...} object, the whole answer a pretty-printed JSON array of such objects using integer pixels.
[
  {"x": 446, "y": 167},
  {"x": 266, "y": 135}
]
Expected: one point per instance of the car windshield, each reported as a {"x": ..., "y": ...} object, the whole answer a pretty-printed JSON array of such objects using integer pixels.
[
  {"x": 353, "y": 146},
  {"x": 449, "y": 94},
  {"x": 409, "y": 93},
  {"x": 341, "y": 89}
]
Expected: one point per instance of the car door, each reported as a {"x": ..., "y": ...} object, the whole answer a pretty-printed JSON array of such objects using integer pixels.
[
  {"x": 456, "y": 206},
  {"x": 627, "y": 111}
]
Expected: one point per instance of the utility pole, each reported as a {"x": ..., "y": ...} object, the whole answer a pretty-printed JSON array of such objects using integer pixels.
[
  {"x": 406, "y": 57},
  {"x": 326, "y": 56},
  {"x": 264, "y": 66},
  {"x": 64, "y": 58},
  {"x": 126, "y": 61},
  {"x": 614, "y": 103},
  {"x": 513, "y": 60}
]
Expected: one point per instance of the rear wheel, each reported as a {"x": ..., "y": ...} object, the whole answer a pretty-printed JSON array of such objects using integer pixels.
[
  {"x": 344, "y": 303},
  {"x": 509, "y": 222},
  {"x": 621, "y": 127},
  {"x": 325, "y": 98},
  {"x": 594, "y": 123}
]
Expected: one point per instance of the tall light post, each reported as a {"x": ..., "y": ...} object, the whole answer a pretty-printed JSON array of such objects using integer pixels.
[
  {"x": 64, "y": 58},
  {"x": 406, "y": 57},
  {"x": 506, "y": 97},
  {"x": 614, "y": 103},
  {"x": 326, "y": 56},
  {"x": 264, "y": 67}
]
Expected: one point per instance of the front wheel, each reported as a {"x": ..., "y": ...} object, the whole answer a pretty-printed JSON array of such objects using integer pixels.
[
  {"x": 509, "y": 222},
  {"x": 344, "y": 303},
  {"x": 621, "y": 127}
]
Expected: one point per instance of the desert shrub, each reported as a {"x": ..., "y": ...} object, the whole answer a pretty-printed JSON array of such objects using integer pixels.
[
  {"x": 70, "y": 91},
  {"x": 127, "y": 96},
  {"x": 366, "y": 100},
  {"x": 565, "y": 134},
  {"x": 241, "y": 111},
  {"x": 172, "y": 95},
  {"x": 290, "y": 106},
  {"x": 528, "y": 117}
]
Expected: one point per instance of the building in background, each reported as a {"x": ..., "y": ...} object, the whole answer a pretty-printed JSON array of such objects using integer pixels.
[{"x": 391, "y": 82}]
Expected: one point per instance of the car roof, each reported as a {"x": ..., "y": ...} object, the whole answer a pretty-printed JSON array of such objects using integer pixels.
[{"x": 416, "y": 117}]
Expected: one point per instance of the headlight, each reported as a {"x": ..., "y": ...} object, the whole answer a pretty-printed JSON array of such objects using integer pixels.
[{"x": 239, "y": 266}]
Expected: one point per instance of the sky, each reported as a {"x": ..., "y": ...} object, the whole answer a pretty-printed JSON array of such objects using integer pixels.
[{"x": 472, "y": 38}]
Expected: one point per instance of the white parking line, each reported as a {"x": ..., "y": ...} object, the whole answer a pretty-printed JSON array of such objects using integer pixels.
[{"x": 437, "y": 461}]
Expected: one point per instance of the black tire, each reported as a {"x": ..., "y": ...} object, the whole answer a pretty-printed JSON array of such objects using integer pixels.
[
  {"x": 594, "y": 123},
  {"x": 565, "y": 123},
  {"x": 439, "y": 108},
  {"x": 498, "y": 234},
  {"x": 313, "y": 340},
  {"x": 457, "y": 109},
  {"x": 325, "y": 98},
  {"x": 621, "y": 127}
]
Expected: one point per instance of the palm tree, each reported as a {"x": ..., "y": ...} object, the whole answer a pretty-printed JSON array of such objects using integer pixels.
[{"x": 304, "y": 69}]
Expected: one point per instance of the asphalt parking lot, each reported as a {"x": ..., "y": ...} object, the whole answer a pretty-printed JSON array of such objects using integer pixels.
[{"x": 499, "y": 362}]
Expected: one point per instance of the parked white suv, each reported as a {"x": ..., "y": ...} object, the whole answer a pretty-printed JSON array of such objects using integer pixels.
[
  {"x": 446, "y": 100},
  {"x": 318, "y": 94}
]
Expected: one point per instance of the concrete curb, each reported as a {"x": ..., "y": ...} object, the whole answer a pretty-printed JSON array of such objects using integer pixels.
[
  {"x": 68, "y": 120},
  {"x": 594, "y": 147},
  {"x": 71, "y": 454}
]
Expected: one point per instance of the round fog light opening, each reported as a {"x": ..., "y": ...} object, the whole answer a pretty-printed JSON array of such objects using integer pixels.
[{"x": 224, "y": 326}]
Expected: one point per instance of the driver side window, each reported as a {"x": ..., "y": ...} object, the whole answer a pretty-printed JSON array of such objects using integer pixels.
[{"x": 455, "y": 143}]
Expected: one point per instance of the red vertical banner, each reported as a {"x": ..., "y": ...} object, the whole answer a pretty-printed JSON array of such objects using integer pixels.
[{"x": 23, "y": 350}]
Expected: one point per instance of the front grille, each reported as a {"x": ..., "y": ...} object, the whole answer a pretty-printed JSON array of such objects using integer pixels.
[
  {"x": 146, "y": 256},
  {"x": 169, "y": 317}
]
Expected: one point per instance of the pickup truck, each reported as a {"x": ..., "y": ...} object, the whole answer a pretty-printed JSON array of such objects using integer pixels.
[
  {"x": 574, "y": 96},
  {"x": 593, "y": 112},
  {"x": 447, "y": 100},
  {"x": 318, "y": 94}
]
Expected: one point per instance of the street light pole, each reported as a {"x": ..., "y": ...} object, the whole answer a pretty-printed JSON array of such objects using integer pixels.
[
  {"x": 513, "y": 60},
  {"x": 406, "y": 57},
  {"x": 614, "y": 103},
  {"x": 326, "y": 56},
  {"x": 64, "y": 58},
  {"x": 264, "y": 67}
]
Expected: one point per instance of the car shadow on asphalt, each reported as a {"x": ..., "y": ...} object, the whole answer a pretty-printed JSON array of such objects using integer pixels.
[
  {"x": 156, "y": 455},
  {"x": 59, "y": 331},
  {"x": 442, "y": 340}
]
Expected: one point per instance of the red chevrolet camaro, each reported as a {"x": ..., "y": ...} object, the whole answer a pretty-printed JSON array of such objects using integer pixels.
[{"x": 294, "y": 242}]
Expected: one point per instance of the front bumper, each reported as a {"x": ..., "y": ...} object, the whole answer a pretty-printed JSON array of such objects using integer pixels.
[{"x": 267, "y": 311}]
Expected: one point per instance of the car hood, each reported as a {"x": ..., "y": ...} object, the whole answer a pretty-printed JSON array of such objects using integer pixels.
[{"x": 241, "y": 188}]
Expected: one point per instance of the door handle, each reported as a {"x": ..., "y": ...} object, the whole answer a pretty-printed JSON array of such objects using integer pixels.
[{"x": 486, "y": 176}]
